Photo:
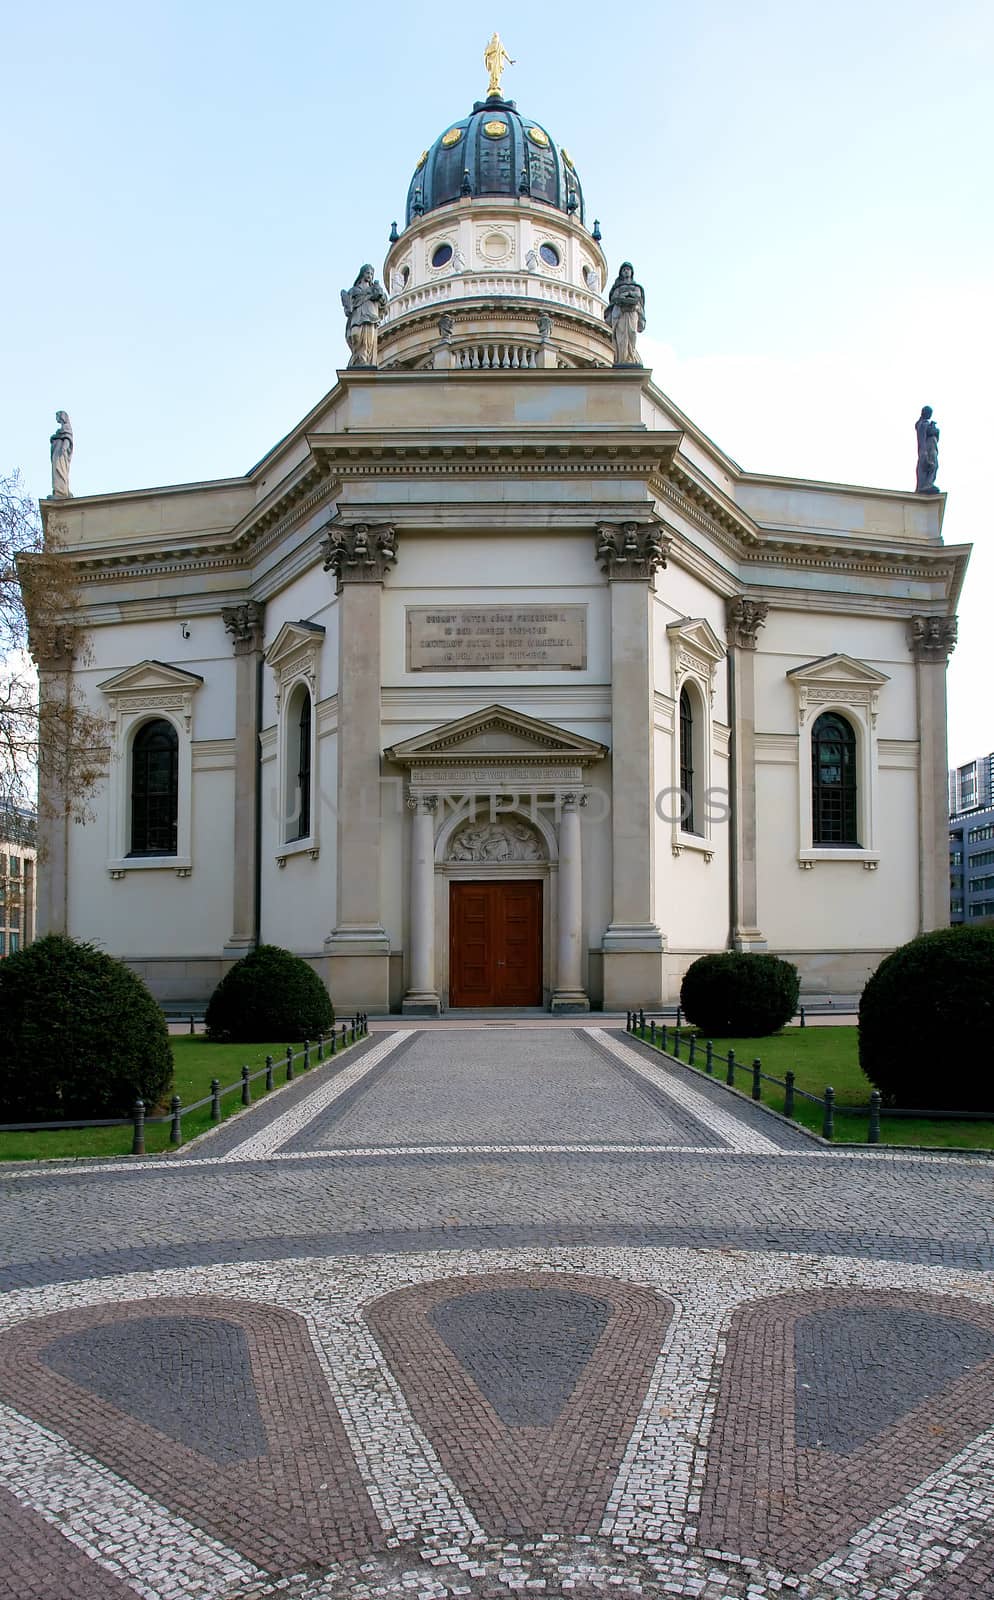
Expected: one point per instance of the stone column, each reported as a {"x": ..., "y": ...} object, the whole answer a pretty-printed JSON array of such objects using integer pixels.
[
  {"x": 569, "y": 993},
  {"x": 54, "y": 660},
  {"x": 745, "y": 618},
  {"x": 245, "y": 625},
  {"x": 630, "y": 554},
  {"x": 932, "y": 641},
  {"x": 360, "y": 555},
  {"x": 421, "y": 998}
]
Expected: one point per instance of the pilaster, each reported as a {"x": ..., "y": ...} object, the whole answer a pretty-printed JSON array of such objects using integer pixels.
[
  {"x": 630, "y": 554},
  {"x": 569, "y": 994},
  {"x": 360, "y": 555},
  {"x": 53, "y": 656},
  {"x": 245, "y": 624},
  {"x": 745, "y": 617},
  {"x": 421, "y": 998},
  {"x": 932, "y": 640}
]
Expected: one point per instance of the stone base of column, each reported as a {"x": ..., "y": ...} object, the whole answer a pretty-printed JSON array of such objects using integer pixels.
[
  {"x": 421, "y": 1004},
  {"x": 569, "y": 1002},
  {"x": 747, "y": 939},
  {"x": 235, "y": 949},
  {"x": 632, "y": 978},
  {"x": 358, "y": 969}
]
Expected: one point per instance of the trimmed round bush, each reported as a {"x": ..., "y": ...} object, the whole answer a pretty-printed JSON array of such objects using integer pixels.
[
  {"x": 926, "y": 1022},
  {"x": 80, "y": 1035},
  {"x": 738, "y": 994},
  {"x": 269, "y": 994}
]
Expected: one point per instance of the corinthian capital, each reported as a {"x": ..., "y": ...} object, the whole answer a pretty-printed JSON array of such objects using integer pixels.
[
  {"x": 359, "y": 552},
  {"x": 632, "y": 550},
  {"x": 932, "y": 638},
  {"x": 245, "y": 624},
  {"x": 744, "y": 619}
]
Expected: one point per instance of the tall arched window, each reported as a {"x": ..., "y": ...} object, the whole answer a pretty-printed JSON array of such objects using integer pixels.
[
  {"x": 297, "y": 769},
  {"x": 834, "y": 797},
  {"x": 686, "y": 762},
  {"x": 154, "y": 789}
]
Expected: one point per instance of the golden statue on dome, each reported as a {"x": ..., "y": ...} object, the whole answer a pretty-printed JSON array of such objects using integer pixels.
[{"x": 495, "y": 59}]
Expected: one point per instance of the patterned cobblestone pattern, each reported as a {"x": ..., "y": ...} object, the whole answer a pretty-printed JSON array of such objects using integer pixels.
[{"x": 672, "y": 1354}]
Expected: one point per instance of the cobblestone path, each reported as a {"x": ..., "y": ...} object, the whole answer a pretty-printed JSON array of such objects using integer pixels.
[{"x": 498, "y": 1313}]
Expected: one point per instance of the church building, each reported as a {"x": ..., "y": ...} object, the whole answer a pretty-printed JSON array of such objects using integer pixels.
[{"x": 496, "y": 683}]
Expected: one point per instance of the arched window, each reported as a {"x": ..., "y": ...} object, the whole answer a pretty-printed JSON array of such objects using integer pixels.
[
  {"x": 154, "y": 789},
  {"x": 834, "y": 798},
  {"x": 298, "y": 765},
  {"x": 687, "y": 762}
]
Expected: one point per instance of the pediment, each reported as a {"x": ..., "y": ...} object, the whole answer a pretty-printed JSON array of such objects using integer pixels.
[
  {"x": 838, "y": 669},
  {"x": 293, "y": 636},
  {"x": 152, "y": 677},
  {"x": 696, "y": 634},
  {"x": 494, "y": 734}
]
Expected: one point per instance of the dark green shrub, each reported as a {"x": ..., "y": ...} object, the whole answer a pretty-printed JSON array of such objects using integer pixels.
[
  {"x": 80, "y": 1035},
  {"x": 270, "y": 994},
  {"x": 734, "y": 993},
  {"x": 926, "y": 1022}
]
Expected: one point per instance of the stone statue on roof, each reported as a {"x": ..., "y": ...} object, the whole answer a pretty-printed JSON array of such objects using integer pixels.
[
  {"x": 625, "y": 313},
  {"x": 364, "y": 305},
  {"x": 927, "y": 434},
  {"x": 62, "y": 446}
]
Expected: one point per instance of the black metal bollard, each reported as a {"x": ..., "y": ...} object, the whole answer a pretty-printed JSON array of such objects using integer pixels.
[
  {"x": 246, "y": 1088},
  {"x": 307, "y": 1054},
  {"x": 176, "y": 1127},
  {"x": 679, "y": 1018},
  {"x": 692, "y": 1049},
  {"x": 676, "y": 1042},
  {"x": 802, "y": 1017},
  {"x": 828, "y": 1121},
  {"x": 709, "y": 1059},
  {"x": 641, "y": 1019},
  {"x": 215, "y": 1099},
  {"x": 788, "y": 1094},
  {"x": 331, "y": 1040},
  {"x": 628, "y": 1022},
  {"x": 352, "y": 1038},
  {"x": 193, "y": 1027},
  {"x": 345, "y": 1030},
  {"x": 320, "y": 1046},
  {"x": 652, "y": 1034},
  {"x": 757, "y": 1081},
  {"x": 269, "y": 1073},
  {"x": 730, "y": 1074},
  {"x": 138, "y": 1142},
  {"x": 873, "y": 1136},
  {"x": 289, "y": 1063}
]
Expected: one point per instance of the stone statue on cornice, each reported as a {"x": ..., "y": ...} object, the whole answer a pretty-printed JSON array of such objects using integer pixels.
[
  {"x": 927, "y": 433},
  {"x": 626, "y": 314},
  {"x": 61, "y": 445},
  {"x": 364, "y": 305}
]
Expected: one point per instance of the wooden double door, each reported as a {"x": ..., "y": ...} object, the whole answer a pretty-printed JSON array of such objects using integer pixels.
[{"x": 495, "y": 943}]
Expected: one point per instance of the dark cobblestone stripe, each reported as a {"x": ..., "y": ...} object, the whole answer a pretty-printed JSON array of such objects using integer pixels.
[
  {"x": 770, "y": 1493},
  {"x": 37, "y": 1563},
  {"x": 529, "y": 1416},
  {"x": 973, "y": 1579},
  {"x": 301, "y": 1500},
  {"x": 972, "y": 1254},
  {"x": 311, "y": 1137}
]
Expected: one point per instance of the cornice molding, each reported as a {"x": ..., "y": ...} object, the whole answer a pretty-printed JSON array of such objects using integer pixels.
[{"x": 528, "y": 453}]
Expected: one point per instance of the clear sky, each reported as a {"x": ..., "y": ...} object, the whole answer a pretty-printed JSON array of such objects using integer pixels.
[{"x": 805, "y": 190}]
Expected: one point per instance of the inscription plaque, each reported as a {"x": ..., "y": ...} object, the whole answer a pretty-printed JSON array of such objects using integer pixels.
[{"x": 496, "y": 638}]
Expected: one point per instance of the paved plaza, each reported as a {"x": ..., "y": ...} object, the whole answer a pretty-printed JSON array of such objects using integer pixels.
[{"x": 499, "y": 1312}]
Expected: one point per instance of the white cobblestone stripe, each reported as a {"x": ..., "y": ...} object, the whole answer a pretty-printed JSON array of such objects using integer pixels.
[
  {"x": 926, "y": 1535},
  {"x": 281, "y": 1129},
  {"x": 98, "y": 1511},
  {"x": 733, "y": 1132}
]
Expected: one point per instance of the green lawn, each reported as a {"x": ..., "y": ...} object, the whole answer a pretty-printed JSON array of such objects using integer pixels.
[
  {"x": 829, "y": 1056},
  {"x": 195, "y": 1063}
]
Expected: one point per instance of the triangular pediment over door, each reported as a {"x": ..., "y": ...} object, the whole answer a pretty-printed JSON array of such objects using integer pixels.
[{"x": 496, "y": 734}]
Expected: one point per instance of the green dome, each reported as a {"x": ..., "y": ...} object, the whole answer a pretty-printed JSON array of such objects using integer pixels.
[{"x": 494, "y": 151}]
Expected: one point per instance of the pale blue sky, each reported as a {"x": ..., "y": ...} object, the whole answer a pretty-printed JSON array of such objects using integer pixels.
[{"x": 805, "y": 192}]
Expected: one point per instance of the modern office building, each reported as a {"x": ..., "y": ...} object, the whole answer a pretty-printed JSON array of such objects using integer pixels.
[
  {"x": 17, "y": 880},
  {"x": 971, "y": 840}
]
